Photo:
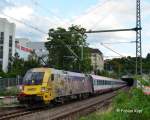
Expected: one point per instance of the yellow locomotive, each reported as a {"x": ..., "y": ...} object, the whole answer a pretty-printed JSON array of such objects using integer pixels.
[{"x": 47, "y": 85}]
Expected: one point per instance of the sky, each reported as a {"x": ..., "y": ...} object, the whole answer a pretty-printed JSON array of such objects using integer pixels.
[{"x": 90, "y": 14}]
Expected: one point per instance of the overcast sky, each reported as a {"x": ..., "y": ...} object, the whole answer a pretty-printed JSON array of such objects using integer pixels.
[{"x": 90, "y": 14}]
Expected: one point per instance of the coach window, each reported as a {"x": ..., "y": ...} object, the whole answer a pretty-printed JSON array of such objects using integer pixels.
[
  {"x": 96, "y": 82},
  {"x": 100, "y": 82},
  {"x": 93, "y": 82}
]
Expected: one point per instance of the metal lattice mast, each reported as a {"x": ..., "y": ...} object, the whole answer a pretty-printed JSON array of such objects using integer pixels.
[{"x": 138, "y": 38}]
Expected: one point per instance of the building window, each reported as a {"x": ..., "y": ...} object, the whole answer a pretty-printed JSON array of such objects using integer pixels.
[
  {"x": 10, "y": 47},
  {"x": 1, "y": 37},
  {"x": 1, "y": 51},
  {"x": 10, "y": 53},
  {"x": 1, "y": 62},
  {"x": 10, "y": 41}
]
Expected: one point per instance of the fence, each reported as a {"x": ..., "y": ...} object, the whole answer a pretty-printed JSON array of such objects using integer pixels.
[{"x": 9, "y": 82}]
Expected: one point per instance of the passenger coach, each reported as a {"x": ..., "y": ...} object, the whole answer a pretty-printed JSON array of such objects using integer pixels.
[{"x": 104, "y": 84}]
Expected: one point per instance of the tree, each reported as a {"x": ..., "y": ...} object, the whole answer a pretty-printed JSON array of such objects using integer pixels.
[
  {"x": 33, "y": 56},
  {"x": 20, "y": 66},
  {"x": 148, "y": 56},
  {"x": 62, "y": 42},
  {"x": 127, "y": 65}
]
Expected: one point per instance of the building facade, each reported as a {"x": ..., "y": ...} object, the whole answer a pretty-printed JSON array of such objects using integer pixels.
[
  {"x": 97, "y": 60},
  {"x": 24, "y": 47},
  {"x": 39, "y": 48},
  {"x": 7, "y": 43}
]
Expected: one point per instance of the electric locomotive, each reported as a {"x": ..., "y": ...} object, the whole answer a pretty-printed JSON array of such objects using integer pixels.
[{"x": 47, "y": 85}]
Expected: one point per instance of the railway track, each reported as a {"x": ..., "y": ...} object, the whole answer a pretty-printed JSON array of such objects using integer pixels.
[
  {"x": 83, "y": 109},
  {"x": 68, "y": 111},
  {"x": 13, "y": 113}
]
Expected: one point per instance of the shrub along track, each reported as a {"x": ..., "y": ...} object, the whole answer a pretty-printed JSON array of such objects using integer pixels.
[{"x": 69, "y": 111}]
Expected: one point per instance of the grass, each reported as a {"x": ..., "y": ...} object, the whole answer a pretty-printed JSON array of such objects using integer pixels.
[{"x": 126, "y": 106}]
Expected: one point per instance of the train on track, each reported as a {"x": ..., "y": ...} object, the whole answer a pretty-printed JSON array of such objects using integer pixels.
[{"x": 49, "y": 85}]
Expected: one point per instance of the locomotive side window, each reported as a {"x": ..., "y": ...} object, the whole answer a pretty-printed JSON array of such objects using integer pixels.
[
  {"x": 52, "y": 77},
  {"x": 95, "y": 82}
]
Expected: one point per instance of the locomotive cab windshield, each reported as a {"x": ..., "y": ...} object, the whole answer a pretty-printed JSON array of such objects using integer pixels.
[{"x": 33, "y": 78}]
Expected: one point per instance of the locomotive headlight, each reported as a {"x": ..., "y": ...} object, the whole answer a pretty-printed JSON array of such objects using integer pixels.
[
  {"x": 21, "y": 87},
  {"x": 43, "y": 89}
]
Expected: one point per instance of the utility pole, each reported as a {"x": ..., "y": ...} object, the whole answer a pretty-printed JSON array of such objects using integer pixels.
[
  {"x": 82, "y": 51},
  {"x": 138, "y": 38}
]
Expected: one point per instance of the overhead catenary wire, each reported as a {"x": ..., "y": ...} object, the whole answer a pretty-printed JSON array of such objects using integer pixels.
[
  {"x": 120, "y": 42},
  {"x": 33, "y": 15},
  {"x": 103, "y": 18},
  {"x": 36, "y": 3},
  {"x": 112, "y": 50},
  {"x": 112, "y": 56},
  {"x": 24, "y": 23},
  {"x": 91, "y": 11},
  {"x": 122, "y": 56}
]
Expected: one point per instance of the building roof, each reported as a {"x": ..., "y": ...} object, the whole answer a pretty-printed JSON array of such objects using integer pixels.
[{"x": 96, "y": 51}]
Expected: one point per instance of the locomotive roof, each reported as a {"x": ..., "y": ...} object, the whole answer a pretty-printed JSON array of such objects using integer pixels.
[
  {"x": 55, "y": 71},
  {"x": 105, "y": 78}
]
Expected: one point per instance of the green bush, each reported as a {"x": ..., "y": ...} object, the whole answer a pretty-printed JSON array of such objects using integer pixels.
[
  {"x": 144, "y": 80},
  {"x": 12, "y": 91}
]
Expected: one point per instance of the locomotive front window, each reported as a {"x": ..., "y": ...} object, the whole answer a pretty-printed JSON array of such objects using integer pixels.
[{"x": 33, "y": 78}]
